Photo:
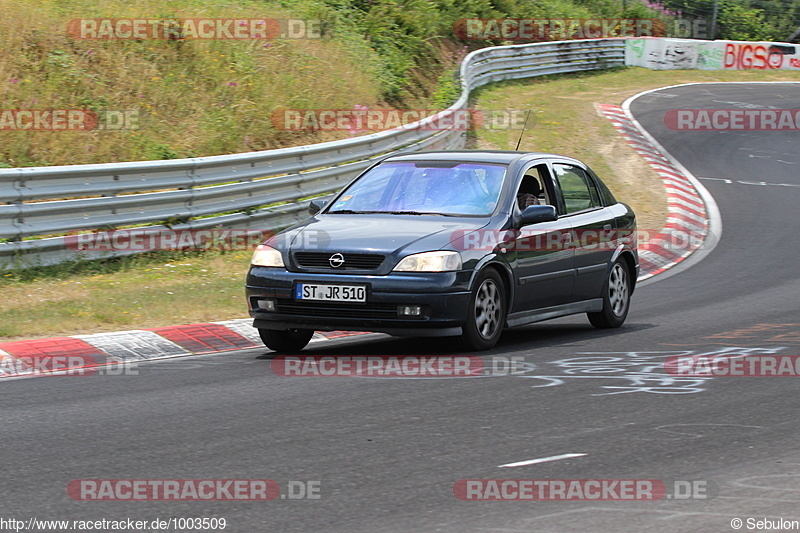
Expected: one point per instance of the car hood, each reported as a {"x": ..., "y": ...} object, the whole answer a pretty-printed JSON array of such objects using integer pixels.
[{"x": 391, "y": 235}]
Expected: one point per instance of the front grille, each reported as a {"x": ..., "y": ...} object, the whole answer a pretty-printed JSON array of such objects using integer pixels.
[
  {"x": 351, "y": 261},
  {"x": 337, "y": 309}
]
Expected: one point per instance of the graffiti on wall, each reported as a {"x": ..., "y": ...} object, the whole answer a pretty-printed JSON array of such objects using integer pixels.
[
  {"x": 761, "y": 56},
  {"x": 668, "y": 54}
]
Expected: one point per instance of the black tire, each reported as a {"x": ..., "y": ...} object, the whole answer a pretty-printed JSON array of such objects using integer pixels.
[
  {"x": 616, "y": 297},
  {"x": 486, "y": 314},
  {"x": 286, "y": 340}
]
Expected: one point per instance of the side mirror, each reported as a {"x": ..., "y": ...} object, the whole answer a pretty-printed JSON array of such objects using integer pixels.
[
  {"x": 315, "y": 206},
  {"x": 538, "y": 213}
]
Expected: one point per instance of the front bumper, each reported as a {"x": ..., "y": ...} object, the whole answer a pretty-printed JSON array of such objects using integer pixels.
[{"x": 443, "y": 298}]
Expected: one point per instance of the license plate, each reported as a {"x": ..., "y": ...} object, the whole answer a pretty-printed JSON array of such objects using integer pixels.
[{"x": 331, "y": 293}]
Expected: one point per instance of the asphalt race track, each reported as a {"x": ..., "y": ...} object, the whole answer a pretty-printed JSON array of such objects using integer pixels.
[{"x": 386, "y": 453}]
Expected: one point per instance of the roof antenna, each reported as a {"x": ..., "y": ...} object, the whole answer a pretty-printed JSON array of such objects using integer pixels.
[{"x": 523, "y": 130}]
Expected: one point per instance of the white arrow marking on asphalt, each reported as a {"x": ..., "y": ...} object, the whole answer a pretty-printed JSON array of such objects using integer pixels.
[{"x": 543, "y": 460}]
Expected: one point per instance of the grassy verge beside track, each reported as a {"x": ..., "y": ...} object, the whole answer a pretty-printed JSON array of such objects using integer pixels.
[{"x": 162, "y": 289}]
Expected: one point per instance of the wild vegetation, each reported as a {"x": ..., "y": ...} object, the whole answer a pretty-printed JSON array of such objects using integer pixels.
[
  {"x": 744, "y": 20},
  {"x": 194, "y": 97}
]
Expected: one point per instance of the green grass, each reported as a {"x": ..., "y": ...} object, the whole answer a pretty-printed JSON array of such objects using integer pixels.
[
  {"x": 137, "y": 292},
  {"x": 192, "y": 97}
]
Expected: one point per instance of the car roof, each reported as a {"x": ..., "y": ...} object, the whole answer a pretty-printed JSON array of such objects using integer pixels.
[{"x": 478, "y": 156}]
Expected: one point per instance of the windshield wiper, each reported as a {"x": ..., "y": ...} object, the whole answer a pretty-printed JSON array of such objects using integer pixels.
[
  {"x": 369, "y": 212},
  {"x": 412, "y": 213},
  {"x": 376, "y": 212}
]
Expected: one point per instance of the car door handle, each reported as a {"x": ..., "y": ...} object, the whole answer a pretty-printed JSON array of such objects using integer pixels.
[
  {"x": 566, "y": 238},
  {"x": 607, "y": 230}
]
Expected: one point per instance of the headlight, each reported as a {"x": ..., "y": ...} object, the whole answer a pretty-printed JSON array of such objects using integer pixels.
[
  {"x": 266, "y": 256},
  {"x": 430, "y": 262}
]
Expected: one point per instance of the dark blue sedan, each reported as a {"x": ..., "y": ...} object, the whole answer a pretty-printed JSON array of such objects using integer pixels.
[{"x": 460, "y": 243}]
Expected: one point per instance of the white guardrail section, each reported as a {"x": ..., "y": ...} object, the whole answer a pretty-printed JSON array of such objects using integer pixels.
[{"x": 39, "y": 205}]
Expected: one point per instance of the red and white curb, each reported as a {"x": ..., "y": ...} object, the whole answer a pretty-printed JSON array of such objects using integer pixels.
[
  {"x": 59, "y": 355},
  {"x": 687, "y": 224}
]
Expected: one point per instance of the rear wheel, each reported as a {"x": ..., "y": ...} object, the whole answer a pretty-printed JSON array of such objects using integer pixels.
[
  {"x": 616, "y": 298},
  {"x": 287, "y": 340},
  {"x": 486, "y": 315}
]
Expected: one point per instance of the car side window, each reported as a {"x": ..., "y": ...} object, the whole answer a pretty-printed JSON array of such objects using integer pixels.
[
  {"x": 577, "y": 188},
  {"x": 532, "y": 189}
]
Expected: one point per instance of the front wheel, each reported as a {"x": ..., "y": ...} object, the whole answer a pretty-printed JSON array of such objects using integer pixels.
[
  {"x": 287, "y": 340},
  {"x": 616, "y": 298},
  {"x": 486, "y": 314}
]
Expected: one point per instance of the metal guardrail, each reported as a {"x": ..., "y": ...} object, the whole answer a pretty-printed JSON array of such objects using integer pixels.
[{"x": 236, "y": 191}]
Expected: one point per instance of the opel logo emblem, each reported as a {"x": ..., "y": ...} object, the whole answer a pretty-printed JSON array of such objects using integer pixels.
[{"x": 336, "y": 260}]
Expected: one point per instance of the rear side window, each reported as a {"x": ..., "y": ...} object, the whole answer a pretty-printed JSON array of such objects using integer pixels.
[
  {"x": 605, "y": 193},
  {"x": 577, "y": 188}
]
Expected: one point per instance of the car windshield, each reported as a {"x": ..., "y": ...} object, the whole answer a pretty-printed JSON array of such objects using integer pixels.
[{"x": 425, "y": 188}]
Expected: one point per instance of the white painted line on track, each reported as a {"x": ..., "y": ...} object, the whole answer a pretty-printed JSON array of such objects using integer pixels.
[
  {"x": 543, "y": 460},
  {"x": 757, "y": 183}
]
